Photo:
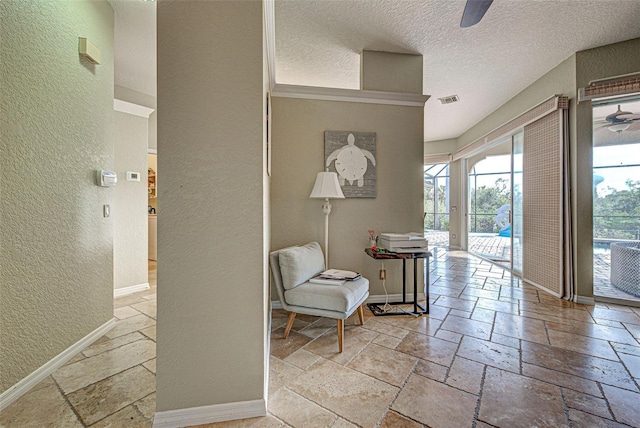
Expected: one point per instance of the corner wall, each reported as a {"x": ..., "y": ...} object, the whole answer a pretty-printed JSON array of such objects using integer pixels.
[
  {"x": 56, "y": 249},
  {"x": 298, "y": 155},
  {"x": 129, "y": 211},
  {"x": 211, "y": 294}
]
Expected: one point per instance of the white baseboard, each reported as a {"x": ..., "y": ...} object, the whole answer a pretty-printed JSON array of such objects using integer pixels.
[
  {"x": 379, "y": 298},
  {"x": 119, "y": 292},
  {"x": 22, "y": 387},
  {"x": 210, "y": 414}
]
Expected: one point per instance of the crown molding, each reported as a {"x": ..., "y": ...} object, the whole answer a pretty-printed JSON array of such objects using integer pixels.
[{"x": 349, "y": 95}]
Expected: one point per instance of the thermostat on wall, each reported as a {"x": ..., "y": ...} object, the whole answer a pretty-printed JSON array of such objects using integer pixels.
[{"x": 133, "y": 176}]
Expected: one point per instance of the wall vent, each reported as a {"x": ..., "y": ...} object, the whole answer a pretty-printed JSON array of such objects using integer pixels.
[{"x": 450, "y": 99}]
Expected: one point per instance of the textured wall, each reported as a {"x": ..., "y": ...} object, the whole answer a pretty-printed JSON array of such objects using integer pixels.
[
  {"x": 130, "y": 202},
  {"x": 298, "y": 155},
  {"x": 211, "y": 311},
  {"x": 56, "y": 249}
]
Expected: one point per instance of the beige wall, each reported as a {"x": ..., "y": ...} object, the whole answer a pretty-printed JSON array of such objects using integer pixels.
[
  {"x": 211, "y": 298},
  {"x": 390, "y": 72},
  {"x": 298, "y": 155},
  {"x": 130, "y": 202},
  {"x": 606, "y": 61},
  {"x": 56, "y": 252}
]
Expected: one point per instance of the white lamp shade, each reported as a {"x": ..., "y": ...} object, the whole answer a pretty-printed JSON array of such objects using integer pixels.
[{"x": 327, "y": 186}]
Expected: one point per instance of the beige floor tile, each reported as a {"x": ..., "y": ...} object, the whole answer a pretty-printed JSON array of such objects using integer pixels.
[
  {"x": 468, "y": 327},
  {"x": 586, "y": 345},
  {"x": 466, "y": 375},
  {"x": 355, "y": 340},
  {"x": 148, "y": 308},
  {"x": 127, "y": 417},
  {"x": 101, "y": 399},
  {"x": 574, "y": 363},
  {"x": 529, "y": 329},
  {"x": 127, "y": 300},
  {"x": 387, "y": 341},
  {"x": 125, "y": 312},
  {"x": 41, "y": 407},
  {"x": 342, "y": 391},
  {"x": 624, "y": 405},
  {"x": 384, "y": 364},
  {"x": 582, "y": 419},
  {"x": 129, "y": 325},
  {"x": 394, "y": 420},
  {"x": 150, "y": 332},
  {"x": 435, "y": 404},
  {"x": 302, "y": 359},
  {"x": 280, "y": 374},
  {"x": 564, "y": 380},
  {"x": 79, "y": 356},
  {"x": 150, "y": 365},
  {"x": 282, "y": 348},
  {"x": 431, "y": 370},
  {"x": 489, "y": 353},
  {"x": 632, "y": 362},
  {"x": 341, "y": 423},
  {"x": 524, "y": 398},
  {"x": 94, "y": 369},
  {"x": 428, "y": 348},
  {"x": 586, "y": 403},
  {"x": 512, "y": 342},
  {"x": 297, "y": 411},
  {"x": 380, "y": 327},
  {"x": 147, "y": 406},
  {"x": 98, "y": 348}
]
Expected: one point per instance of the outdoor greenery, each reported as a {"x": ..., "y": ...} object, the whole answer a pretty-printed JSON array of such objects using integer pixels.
[
  {"x": 432, "y": 220},
  {"x": 483, "y": 203},
  {"x": 616, "y": 214}
]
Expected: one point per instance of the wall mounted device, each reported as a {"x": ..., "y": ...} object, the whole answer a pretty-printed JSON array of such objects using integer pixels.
[
  {"x": 133, "y": 176},
  {"x": 88, "y": 50},
  {"x": 106, "y": 178}
]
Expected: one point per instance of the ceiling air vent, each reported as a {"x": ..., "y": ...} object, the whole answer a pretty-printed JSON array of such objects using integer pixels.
[{"x": 450, "y": 99}]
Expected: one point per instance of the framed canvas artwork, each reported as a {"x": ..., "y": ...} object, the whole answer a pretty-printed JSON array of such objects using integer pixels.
[{"x": 353, "y": 156}]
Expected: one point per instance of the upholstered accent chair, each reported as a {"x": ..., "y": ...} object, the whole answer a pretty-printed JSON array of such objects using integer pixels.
[{"x": 291, "y": 269}]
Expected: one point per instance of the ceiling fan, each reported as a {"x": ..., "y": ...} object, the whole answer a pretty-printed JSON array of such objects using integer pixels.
[
  {"x": 474, "y": 10},
  {"x": 621, "y": 121}
]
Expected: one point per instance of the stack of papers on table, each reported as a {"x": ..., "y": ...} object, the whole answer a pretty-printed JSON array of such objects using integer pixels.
[
  {"x": 335, "y": 277},
  {"x": 404, "y": 242}
]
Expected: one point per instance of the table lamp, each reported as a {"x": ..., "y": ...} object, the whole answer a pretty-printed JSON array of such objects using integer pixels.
[{"x": 326, "y": 187}]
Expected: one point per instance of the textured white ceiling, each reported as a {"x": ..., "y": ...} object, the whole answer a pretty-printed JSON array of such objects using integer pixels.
[
  {"x": 318, "y": 43},
  {"x": 135, "y": 45}
]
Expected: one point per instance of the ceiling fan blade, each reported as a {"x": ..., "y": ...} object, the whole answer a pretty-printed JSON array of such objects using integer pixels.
[
  {"x": 474, "y": 10},
  {"x": 631, "y": 116}
]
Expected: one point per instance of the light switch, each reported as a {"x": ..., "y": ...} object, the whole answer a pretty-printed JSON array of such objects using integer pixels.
[
  {"x": 106, "y": 211},
  {"x": 454, "y": 208}
]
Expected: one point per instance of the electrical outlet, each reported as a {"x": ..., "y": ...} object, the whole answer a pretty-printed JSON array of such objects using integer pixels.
[
  {"x": 453, "y": 236},
  {"x": 106, "y": 211},
  {"x": 383, "y": 274}
]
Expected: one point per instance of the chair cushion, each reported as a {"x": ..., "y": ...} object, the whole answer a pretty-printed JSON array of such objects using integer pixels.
[
  {"x": 299, "y": 264},
  {"x": 339, "y": 298}
]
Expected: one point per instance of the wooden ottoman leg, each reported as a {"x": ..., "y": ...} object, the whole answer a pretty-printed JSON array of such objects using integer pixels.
[
  {"x": 340, "y": 335},
  {"x": 292, "y": 317},
  {"x": 361, "y": 314}
]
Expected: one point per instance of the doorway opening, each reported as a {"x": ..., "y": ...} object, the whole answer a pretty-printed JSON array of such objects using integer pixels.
[
  {"x": 495, "y": 203},
  {"x": 616, "y": 200},
  {"x": 436, "y": 204}
]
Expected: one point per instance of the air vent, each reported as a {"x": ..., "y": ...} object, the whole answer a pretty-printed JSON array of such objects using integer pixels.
[{"x": 450, "y": 99}]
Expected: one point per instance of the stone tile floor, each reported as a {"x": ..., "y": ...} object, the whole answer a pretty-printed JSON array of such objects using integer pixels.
[
  {"x": 492, "y": 353},
  {"x": 496, "y": 248}
]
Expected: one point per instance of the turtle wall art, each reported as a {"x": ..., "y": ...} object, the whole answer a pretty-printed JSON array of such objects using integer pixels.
[{"x": 353, "y": 156}]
